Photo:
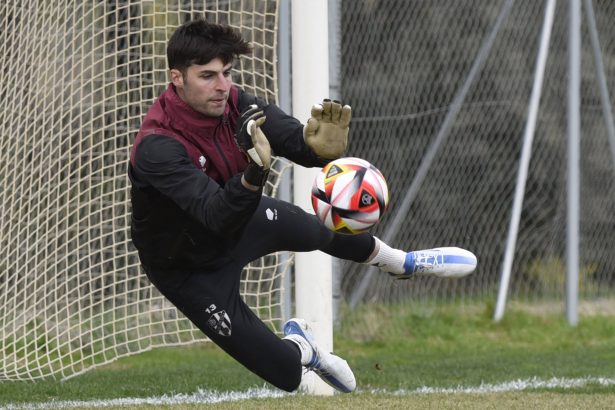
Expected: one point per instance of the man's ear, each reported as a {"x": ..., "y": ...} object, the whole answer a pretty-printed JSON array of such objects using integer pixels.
[{"x": 176, "y": 77}]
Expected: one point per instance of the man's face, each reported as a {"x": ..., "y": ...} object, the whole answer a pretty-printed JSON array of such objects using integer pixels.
[{"x": 205, "y": 87}]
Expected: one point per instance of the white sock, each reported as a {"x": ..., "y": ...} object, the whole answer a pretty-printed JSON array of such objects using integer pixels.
[
  {"x": 304, "y": 347},
  {"x": 387, "y": 258}
]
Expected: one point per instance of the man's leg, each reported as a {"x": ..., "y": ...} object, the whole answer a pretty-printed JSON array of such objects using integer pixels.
[
  {"x": 281, "y": 226},
  {"x": 212, "y": 302},
  {"x": 277, "y": 225}
]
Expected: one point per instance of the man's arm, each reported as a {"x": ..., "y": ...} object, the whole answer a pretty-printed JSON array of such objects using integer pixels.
[
  {"x": 285, "y": 133},
  {"x": 163, "y": 163}
]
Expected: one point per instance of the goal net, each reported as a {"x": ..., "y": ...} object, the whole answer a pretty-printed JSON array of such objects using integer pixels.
[{"x": 76, "y": 79}]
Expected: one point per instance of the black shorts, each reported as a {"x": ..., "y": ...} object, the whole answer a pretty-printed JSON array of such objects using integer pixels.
[{"x": 210, "y": 297}]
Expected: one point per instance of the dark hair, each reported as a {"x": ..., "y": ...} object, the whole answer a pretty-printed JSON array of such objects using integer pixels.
[{"x": 199, "y": 42}]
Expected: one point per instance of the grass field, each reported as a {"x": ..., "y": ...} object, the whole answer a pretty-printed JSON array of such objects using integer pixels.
[{"x": 403, "y": 357}]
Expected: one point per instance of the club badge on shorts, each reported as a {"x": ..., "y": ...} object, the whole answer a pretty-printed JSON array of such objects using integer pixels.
[{"x": 219, "y": 321}]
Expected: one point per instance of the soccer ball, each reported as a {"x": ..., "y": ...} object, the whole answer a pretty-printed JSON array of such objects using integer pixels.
[{"x": 349, "y": 195}]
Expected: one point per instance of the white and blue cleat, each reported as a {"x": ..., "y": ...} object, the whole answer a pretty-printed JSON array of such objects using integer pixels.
[
  {"x": 448, "y": 262},
  {"x": 332, "y": 369}
]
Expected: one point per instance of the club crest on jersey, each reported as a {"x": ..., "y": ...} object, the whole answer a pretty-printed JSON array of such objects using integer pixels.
[{"x": 219, "y": 321}]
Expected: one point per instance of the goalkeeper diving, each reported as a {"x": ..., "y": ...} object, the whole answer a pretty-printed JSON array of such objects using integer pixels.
[{"x": 198, "y": 166}]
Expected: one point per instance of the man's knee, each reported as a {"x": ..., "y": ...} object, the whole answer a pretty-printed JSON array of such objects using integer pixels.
[{"x": 291, "y": 380}]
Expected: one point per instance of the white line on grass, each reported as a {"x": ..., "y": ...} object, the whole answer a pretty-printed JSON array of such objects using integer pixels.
[
  {"x": 516, "y": 385},
  {"x": 210, "y": 396},
  {"x": 199, "y": 397}
]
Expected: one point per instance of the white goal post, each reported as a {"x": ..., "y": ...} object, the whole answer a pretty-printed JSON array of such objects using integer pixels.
[{"x": 310, "y": 84}]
